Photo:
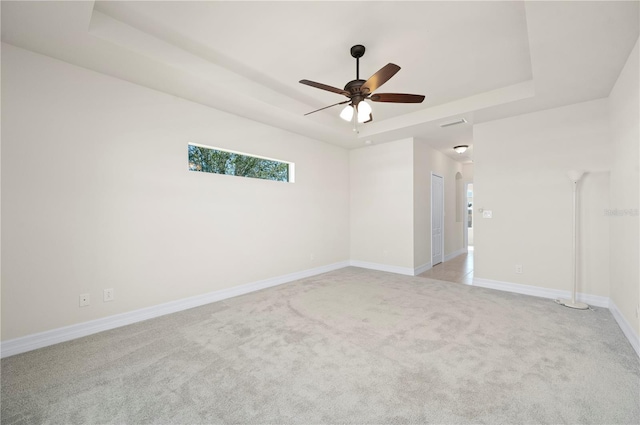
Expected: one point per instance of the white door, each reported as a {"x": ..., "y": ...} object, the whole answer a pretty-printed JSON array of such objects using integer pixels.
[{"x": 437, "y": 219}]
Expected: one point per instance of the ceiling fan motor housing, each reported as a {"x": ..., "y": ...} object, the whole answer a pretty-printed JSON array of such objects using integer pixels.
[{"x": 353, "y": 87}]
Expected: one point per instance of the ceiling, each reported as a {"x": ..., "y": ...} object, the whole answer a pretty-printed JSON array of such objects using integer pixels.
[{"x": 475, "y": 60}]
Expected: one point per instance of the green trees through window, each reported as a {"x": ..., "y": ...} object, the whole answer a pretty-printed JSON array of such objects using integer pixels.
[{"x": 210, "y": 160}]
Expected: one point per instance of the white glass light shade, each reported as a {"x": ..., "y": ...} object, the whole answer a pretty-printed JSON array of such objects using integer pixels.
[
  {"x": 364, "y": 110},
  {"x": 347, "y": 113},
  {"x": 461, "y": 148}
]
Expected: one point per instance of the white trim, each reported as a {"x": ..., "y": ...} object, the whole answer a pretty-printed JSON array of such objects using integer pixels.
[
  {"x": 442, "y": 216},
  {"x": 292, "y": 166},
  {"x": 454, "y": 254},
  {"x": 391, "y": 269},
  {"x": 465, "y": 209},
  {"x": 627, "y": 330},
  {"x": 537, "y": 291},
  {"x": 383, "y": 267},
  {"x": 594, "y": 300},
  {"x": 67, "y": 333},
  {"x": 423, "y": 268}
]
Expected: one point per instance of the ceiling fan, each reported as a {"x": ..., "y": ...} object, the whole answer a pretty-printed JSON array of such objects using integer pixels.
[{"x": 359, "y": 90}]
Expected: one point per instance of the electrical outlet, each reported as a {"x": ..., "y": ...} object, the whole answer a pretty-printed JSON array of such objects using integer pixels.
[
  {"x": 519, "y": 268},
  {"x": 487, "y": 214},
  {"x": 312, "y": 257},
  {"x": 108, "y": 295},
  {"x": 84, "y": 300},
  {"x": 638, "y": 311}
]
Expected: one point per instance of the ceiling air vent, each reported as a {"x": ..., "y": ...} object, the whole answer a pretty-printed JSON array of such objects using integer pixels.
[{"x": 449, "y": 124}]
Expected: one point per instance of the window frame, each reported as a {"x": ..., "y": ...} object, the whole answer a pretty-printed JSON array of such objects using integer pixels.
[{"x": 290, "y": 165}]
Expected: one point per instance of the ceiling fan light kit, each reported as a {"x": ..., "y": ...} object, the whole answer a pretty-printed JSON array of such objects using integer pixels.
[
  {"x": 359, "y": 90},
  {"x": 363, "y": 114},
  {"x": 347, "y": 113}
]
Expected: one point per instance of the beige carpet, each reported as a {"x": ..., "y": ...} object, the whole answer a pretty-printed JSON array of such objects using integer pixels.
[{"x": 351, "y": 346}]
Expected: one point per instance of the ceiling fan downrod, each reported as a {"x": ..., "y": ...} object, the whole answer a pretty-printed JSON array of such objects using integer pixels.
[{"x": 357, "y": 52}]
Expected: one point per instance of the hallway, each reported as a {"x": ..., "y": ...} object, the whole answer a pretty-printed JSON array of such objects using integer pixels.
[{"x": 458, "y": 269}]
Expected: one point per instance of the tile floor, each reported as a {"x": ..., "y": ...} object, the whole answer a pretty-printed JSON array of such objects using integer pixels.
[{"x": 458, "y": 269}]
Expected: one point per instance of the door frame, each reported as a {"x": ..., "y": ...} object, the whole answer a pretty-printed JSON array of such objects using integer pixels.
[
  {"x": 431, "y": 221},
  {"x": 465, "y": 229}
]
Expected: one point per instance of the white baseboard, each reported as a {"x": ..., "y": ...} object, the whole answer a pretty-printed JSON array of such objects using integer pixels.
[
  {"x": 67, "y": 333},
  {"x": 625, "y": 326},
  {"x": 454, "y": 254},
  {"x": 595, "y": 300},
  {"x": 423, "y": 268},
  {"x": 537, "y": 291},
  {"x": 402, "y": 270},
  {"x": 382, "y": 267}
]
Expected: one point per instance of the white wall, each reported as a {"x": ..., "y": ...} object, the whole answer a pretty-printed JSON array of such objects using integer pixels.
[
  {"x": 97, "y": 194},
  {"x": 381, "y": 181},
  {"x": 467, "y": 172},
  {"x": 593, "y": 261},
  {"x": 426, "y": 161},
  {"x": 391, "y": 204},
  {"x": 625, "y": 130},
  {"x": 520, "y": 166}
]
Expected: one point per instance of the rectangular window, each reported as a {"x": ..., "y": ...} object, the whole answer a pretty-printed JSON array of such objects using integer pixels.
[{"x": 220, "y": 161}]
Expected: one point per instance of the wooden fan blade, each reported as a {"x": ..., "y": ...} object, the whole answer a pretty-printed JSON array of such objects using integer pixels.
[
  {"x": 380, "y": 77},
  {"x": 325, "y": 87},
  {"x": 397, "y": 98},
  {"x": 330, "y": 106}
]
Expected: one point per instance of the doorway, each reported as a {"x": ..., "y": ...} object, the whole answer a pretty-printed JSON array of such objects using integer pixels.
[
  {"x": 468, "y": 216},
  {"x": 458, "y": 269},
  {"x": 437, "y": 219}
]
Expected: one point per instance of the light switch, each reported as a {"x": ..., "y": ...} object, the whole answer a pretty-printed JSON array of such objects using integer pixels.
[{"x": 487, "y": 214}]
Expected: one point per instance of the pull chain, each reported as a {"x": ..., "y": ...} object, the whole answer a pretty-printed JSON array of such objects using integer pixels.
[{"x": 355, "y": 119}]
